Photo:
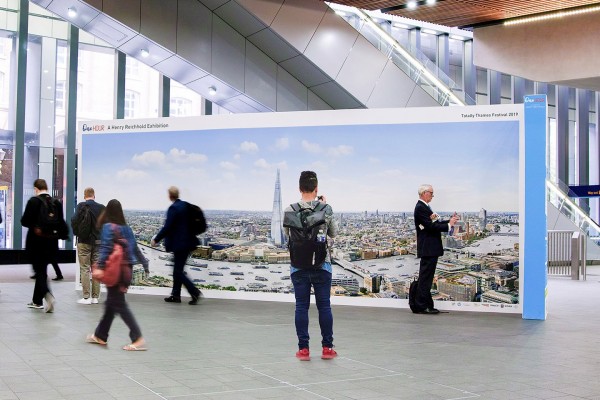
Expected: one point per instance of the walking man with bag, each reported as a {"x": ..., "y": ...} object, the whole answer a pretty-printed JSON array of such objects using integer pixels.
[
  {"x": 180, "y": 240},
  {"x": 43, "y": 216},
  {"x": 85, "y": 227}
]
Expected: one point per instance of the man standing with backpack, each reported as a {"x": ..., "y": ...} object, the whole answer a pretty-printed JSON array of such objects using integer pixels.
[
  {"x": 181, "y": 240},
  {"x": 43, "y": 216},
  {"x": 84, "y": 224},
  {"x": 307, "y": 225}
]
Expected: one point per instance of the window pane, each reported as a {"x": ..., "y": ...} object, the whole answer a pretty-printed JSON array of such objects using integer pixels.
[
  {"x": 184, "y": 101},
  {"x": 144, "y": 82}
]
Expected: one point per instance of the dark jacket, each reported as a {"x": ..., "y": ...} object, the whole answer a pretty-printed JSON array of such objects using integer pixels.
[
  {"x": 429, "y": 233},
  {"x": 38, "y": 248},
  {"x": 96, "y": 209},
  {"x": 176, "y": 229}
]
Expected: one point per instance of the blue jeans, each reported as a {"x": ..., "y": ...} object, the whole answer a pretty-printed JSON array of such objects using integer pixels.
[{"x": 320, "y": 280}]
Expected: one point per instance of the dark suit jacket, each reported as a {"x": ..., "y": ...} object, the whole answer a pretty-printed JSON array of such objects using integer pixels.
[
  {"x": 429, "y": 238},
  {"x": 39, "y": 249},
  {"x": 176, "y": 229}
]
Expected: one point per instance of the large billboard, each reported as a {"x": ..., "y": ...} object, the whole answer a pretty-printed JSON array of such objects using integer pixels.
[{"x": 370, "y": 164}]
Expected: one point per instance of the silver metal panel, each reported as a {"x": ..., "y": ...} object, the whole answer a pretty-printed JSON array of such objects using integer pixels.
[
  {"x": 194, "y": 29},
  {"x": 240, "y": 19},
  {"x": 260, "y": 77},
  {"x": 42, "y": 3},
  {"x": 362, "y": 69},
  {"x": 109, "y": 30},
  {"x": 273, "y": 45},
  {"x": 298, "y": 20},
  {"x": 305, "y": 71},
  {"x": 264, "y": 10},
  {"x": 244, "y": 104},
  {"x": 316, "y": 103},
  {"x": 392, "y": 89},
  {"x": 420, "y": 98},
  {"x": 335, "y": 96},
  {"x": 128, "y": 12},
  {"x": 224, "y": 91},
  {"x": 180, "y": 70},
  {"x": 212, "y": 4},
  {"x": 135, "y": 46},
  {"x": 331, "y": 44},
  {"x": 228, "y": 54},
  {"x": 159, "y": 22},
  {"x": 85, "y": 13},
  {"x": 292, "y": 95}
]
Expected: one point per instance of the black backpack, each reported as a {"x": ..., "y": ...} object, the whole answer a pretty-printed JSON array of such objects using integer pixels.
[
  {"x": 307, "y": 251},
  {"x": 83, "y": 222},
  {"x": 412, "y": 296},
  {"x": 196, "y": 220},
  {"x": 51, "y": 223}
]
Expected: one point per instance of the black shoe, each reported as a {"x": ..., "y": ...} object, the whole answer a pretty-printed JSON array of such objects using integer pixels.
[
  {"x": 32, "y": 277},
  {"x": 430, "y": 311},
  {"x": 194, "y": 300},
  {"x": 172, "y": 299},
  {"x": 58, "y": 278}
]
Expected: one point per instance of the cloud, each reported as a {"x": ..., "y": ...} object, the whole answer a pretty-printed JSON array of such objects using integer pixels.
[
  {"x": 182, "y": 157},
  {"x": 149, "y": 158},
  {"x": 263, "y": 164},
  {"x": 374, "y": 160},
  {"x": 229, "y": 166},
  {"x": 311, "y": 147},
  {"x": 249, "y": 147},
  {"x": 236, "y": 156},
  {"x": 341, "y": 150},
  {"x": 282, "y": 143},
  {"x": 128, "y": 175}
]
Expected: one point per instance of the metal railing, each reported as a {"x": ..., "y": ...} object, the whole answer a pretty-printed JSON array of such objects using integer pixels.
[
  {"x": 567, "y": 254},
  {"x": 557, "y": 195},
  {"x": 413, "y": 62}
]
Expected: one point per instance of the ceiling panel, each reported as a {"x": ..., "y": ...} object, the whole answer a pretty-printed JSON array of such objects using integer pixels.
[{"x": 466, "y": 13}]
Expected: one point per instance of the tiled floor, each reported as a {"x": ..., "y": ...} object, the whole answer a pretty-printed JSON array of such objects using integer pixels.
[{"x": 225, "y": 349}]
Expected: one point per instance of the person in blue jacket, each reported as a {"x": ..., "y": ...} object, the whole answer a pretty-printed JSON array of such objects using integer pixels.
[{"x": 114, "y": 227}]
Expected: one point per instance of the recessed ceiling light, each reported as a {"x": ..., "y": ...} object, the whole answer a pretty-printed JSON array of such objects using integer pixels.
[
  {"x": 430, "y": 2},
  {"x": 411, "y": 5},
  {"x": 212, "y": 90},
  {"x": 144, "y": 53},
  {"x": 341, "y": 13},
  {"x": 72, "y": 12}
]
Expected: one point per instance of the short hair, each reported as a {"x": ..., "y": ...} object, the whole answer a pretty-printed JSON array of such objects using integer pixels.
[
  {"x": 40, "y": 184},
  {"x": 425, "y": 188},
  {"x": 112, "y": 213},
  {"x": 89, "y": 192},
  {"x": 308, "y": 181},
  {"x": 173, "y": 193}
]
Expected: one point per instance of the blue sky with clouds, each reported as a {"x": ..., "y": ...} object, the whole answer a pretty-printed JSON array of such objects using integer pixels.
[{"x": 471, "y": 165}]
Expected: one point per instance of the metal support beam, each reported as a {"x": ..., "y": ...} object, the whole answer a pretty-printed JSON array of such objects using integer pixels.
[
  {"x": 19, "y": 149},
  {"x": 443, "y": 54},
  {"x": 120, "y": 63},
  {"x": 582, "y": 115},
  {"x": 469, "y": 70},
  {"x": 562, "y": 133},
  {"x": 71, "y": 126},
  {"x": 494, "y": 88},
  {"x": 164, "y": 94},
  {"x": 517, "y": 89}
]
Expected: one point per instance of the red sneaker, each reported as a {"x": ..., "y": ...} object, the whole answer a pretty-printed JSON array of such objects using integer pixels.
[
  {"x": 328, "y": 353},
  {"x": 303, "y": 355}
]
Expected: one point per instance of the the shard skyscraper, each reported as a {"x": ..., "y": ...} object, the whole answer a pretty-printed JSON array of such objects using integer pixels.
[{"x": 277, "y": 220}]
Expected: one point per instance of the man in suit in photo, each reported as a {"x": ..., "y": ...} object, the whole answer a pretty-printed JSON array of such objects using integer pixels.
[
  {"x": 429, "y": 246},
  {"x": 180, "y": 240}
]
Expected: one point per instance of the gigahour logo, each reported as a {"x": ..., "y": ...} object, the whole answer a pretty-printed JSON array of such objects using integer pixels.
[
  {"x": 94, "y": 128},
  {"x": 534, "y": 99}
]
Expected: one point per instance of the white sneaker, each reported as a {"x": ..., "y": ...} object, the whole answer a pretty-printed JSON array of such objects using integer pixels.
[
  {"x": 94, "y": 300},
  {"x": 85, "y": 301},
  {"x": 49, "y": 303}
]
